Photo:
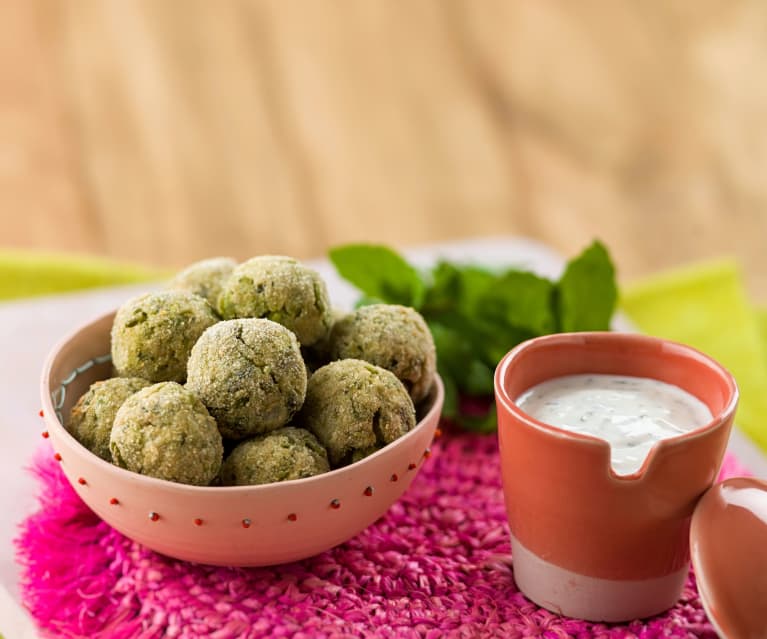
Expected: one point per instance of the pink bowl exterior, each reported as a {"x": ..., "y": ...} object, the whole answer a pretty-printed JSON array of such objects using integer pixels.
[{"x": 228, "y": 526}]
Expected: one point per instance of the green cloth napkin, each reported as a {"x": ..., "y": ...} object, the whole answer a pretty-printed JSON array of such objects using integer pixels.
[
  {"x": 27, "y": 274},
  {"x": 706, "y": 306}
]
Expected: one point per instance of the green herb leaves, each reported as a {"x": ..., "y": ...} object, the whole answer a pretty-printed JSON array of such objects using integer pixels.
[
  {"x": 586, "y": 293},
  {"x": 379, "y": 273},
  {"x": 476, "y": 315}
]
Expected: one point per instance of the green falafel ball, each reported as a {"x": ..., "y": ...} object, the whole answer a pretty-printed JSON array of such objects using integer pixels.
[
  {"x": 354, "y": 408},
  {"x": 153, "y": 334},
  {"x": 250, "y": 375},
  {"x": 283, "y": 454},
  {"x": 204, "y": 278},
  {"x": 164, "y": 431},
  {"x": 280, "y": 289},
  {"x": 391, "y": 336},
  {"x": 91, "y": 418}
]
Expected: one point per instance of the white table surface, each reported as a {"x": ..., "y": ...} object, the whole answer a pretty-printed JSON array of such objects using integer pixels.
[{"x": 30, "y": 328}]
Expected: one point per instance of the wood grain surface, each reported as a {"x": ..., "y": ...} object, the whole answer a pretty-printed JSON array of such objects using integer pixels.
[{"x": 165, "y": 131}]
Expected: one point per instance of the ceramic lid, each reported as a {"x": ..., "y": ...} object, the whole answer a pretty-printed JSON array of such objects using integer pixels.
[{"x": 728, "y": 542}]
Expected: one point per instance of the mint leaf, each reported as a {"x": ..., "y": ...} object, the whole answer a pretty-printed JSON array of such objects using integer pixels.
[
  {"x": 442, "y": 292},
  {"x": 456, "y": 287},
  {"x": 457, "y": 357},
  {"x": 379, "y": 273},
  {"x": 478, "y": 379},
  {"x": 522, "y": 300},
  {"x": 586, "y": 293}
]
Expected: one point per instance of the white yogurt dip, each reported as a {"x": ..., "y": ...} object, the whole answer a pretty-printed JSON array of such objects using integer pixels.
[{"x": 630, "y": 413}]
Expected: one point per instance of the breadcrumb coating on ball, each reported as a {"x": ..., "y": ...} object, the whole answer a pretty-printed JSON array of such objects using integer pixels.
[
  {"x": 280, "y": 289},
  {"x": 284, "y": 454},
  {"x": 354, "y": 408},
  {"x": 250, "y": 375},
  {"x": 164, "y": 431},
  {"x": 390, "y": 336},
  {"x": 153, "y": 334}
]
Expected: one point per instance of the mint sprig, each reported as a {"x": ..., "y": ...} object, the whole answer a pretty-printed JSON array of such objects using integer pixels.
[
  {"x": 477, "y": 315},
  {"x": 380, "y": 273}
]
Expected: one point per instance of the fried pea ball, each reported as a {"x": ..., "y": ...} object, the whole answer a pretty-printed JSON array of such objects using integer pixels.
[
  {"x": 355, "y": 408},
  {"x": 153, "y": 334},
  {"x": 280, "y": 289},
  {"x": 391, "y": 336},
  {"x": 250, "y": 375},
  {"x": 165, "y": 431},
  {"x": 286, "y": 453}
]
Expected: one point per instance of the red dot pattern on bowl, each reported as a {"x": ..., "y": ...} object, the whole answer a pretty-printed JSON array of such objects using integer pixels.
[
  {"x": 335, "y": 504},
  {"x": 45, "y": 434}
]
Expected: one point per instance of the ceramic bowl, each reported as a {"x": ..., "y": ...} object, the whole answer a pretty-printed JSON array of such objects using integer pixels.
[
  {"x": 230, "y": 526},
  {"x": 587, "y": 542}
]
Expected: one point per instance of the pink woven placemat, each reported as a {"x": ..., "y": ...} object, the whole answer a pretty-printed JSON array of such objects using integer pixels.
[{"x": 436, "y": 565}]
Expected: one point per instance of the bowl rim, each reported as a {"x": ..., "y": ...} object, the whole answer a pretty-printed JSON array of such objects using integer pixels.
[{"x": 51, "y": 419}]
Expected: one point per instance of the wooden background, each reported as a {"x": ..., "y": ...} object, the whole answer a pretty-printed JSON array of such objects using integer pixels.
[{"x": 165, "y": 131}]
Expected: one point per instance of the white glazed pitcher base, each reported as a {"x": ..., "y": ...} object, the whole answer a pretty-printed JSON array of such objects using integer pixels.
[{"x": 591, "y": 598}]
